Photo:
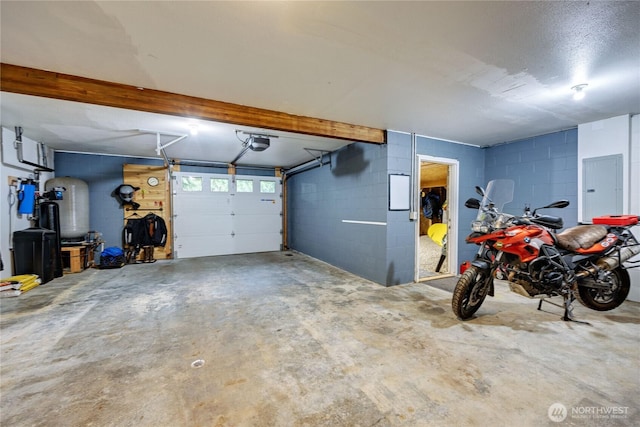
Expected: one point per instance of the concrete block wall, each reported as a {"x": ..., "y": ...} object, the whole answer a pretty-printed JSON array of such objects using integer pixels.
[
  {"x": 320, "y": 199},
  {"x": 400, "y": 249},
  {"x": 544, "y": 168},
  {"x": 352, "y": 188}
]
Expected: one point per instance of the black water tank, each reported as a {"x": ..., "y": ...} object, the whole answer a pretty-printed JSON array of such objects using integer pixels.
[{"x": 35, "y": 252}]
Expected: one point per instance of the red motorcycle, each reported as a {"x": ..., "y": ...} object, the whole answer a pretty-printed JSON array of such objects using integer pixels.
[{"x": 583, "y": 262}]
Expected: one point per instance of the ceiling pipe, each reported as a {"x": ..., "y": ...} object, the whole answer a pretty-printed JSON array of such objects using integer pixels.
[{"x": 18, "y": 146}]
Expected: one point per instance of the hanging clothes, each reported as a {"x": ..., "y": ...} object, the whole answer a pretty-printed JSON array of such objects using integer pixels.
[
  {"x": 155, "y": 230},
  {"x": 431, "y": 205},
  {"x": 148, "y": 231},
  {"x": 133, "y": 233}
]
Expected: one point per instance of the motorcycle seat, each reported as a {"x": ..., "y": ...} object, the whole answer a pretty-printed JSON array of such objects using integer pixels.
[
  {"x": 552, "y": 222},
  {"x": 581, "y": 236}
]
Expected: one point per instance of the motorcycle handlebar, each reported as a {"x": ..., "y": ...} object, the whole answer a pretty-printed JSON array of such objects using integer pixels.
[{"x": 521, "y": 221}]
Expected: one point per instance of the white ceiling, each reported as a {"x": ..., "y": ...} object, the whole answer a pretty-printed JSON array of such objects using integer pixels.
[
  {"x": 475, "y": 72},
  {"x": 72, "y": 126}
]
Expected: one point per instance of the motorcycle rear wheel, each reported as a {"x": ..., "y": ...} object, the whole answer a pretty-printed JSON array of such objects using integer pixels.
[
  {"x": 605, "y": 299},
  {"x": 470, "y": 292}
]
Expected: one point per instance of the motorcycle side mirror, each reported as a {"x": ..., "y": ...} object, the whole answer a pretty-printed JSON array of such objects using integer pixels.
[
  {"x": 558, "y": 204},
  {"x": 480, "y": 191},
  {"x": 472, "y": 203}
]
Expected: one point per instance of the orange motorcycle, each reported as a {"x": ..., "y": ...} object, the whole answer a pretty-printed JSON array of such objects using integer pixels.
[{"x": 585, "y": 262}]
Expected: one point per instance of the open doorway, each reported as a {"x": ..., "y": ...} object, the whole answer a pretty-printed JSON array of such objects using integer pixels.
[{"x": 436, "y": 230}]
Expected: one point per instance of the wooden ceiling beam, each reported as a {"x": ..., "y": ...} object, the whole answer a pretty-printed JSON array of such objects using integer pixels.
[{"x": 48, "y": 84}]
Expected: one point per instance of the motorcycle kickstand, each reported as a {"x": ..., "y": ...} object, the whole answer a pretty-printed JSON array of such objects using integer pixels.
[{"x": 568, "y": 310}]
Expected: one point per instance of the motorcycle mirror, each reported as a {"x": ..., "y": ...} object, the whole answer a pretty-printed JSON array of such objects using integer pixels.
[
  {"x": 480, "y": 191},
  {"x": 472, "y": 203},
  {"x": 558, "y": 204}
]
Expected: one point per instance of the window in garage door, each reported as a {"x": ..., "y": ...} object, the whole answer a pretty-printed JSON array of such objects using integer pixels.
[{"x": 225, "y": 214}]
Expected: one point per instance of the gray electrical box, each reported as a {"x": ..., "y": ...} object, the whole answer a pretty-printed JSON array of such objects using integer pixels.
[{"x": 601, "y": 186}]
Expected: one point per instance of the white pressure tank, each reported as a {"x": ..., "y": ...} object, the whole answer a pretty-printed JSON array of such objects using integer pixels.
[{"x": 74, "y": 206}]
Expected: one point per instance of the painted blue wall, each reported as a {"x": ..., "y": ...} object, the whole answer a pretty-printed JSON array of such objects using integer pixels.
[
  {"x": 103, "y": 174},
  {"x": 353, "y": 187},
  {"x": 319, "y": 199},
  {"x": 401, "y": 231},
  {"x": 544, "y": 168}
]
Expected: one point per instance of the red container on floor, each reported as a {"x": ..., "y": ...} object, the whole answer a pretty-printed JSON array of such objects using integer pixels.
[{"x": 616, "y": 220}]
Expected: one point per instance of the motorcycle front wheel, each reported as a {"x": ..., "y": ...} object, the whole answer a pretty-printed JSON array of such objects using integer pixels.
[
  {"x": 470, "y": 292},
  {"x": 608, "y": 298}
]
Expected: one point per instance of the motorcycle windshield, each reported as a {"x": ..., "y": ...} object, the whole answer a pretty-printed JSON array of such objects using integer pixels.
[{"x": 498, "y": 193}]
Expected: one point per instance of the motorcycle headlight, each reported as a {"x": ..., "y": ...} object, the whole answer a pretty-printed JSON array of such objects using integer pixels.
[
  {"x": 479, "y": 227},
  {"x": 502, "y": 221}
]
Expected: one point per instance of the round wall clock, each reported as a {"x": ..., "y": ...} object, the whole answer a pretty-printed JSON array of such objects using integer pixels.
[{"x": 153, "y": 181}]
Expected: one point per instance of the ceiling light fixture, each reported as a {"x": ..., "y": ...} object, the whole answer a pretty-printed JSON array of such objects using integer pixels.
[
  {"x": 578, "y": 91},
  {"x": 193, "y": 129}
]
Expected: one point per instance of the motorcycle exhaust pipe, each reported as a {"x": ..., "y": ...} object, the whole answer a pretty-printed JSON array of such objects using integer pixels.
[{"x": 610, "y": 262}]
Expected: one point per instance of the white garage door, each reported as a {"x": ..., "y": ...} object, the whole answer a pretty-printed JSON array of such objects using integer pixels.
[{"x": 226, "y": 214}]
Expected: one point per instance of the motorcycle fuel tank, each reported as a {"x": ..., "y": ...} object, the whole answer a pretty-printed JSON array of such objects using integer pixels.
[{"x": 524, "y": 241}]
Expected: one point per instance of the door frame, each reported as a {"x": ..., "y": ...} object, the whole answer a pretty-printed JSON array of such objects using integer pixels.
[{"x": 452, "y": 207}]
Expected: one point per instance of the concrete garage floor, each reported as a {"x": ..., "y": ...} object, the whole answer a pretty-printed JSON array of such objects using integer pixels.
[{"x": 287, "y": 340}]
